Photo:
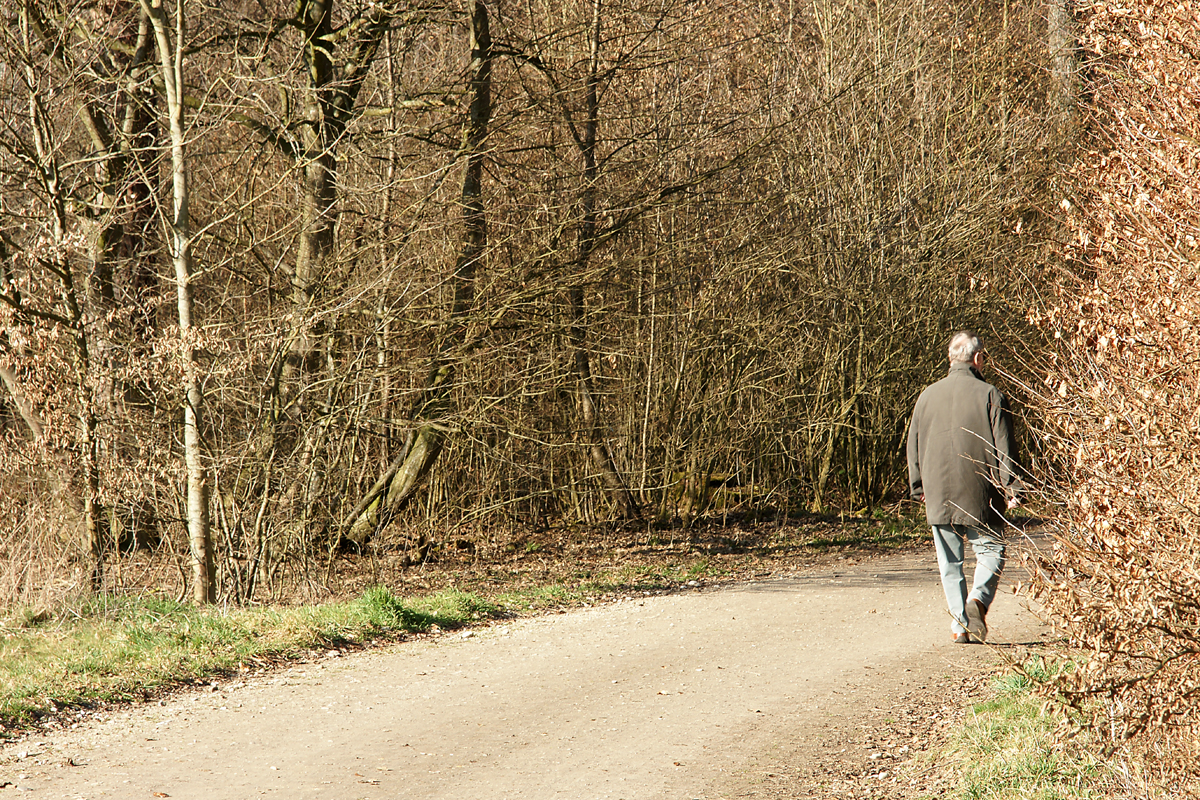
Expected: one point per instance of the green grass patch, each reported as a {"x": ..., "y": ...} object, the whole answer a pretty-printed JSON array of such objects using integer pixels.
[
  {"x": 1006, "y": 749},
  {"x": 452, "y": 607},
  {"x": 110, "y": 648}
]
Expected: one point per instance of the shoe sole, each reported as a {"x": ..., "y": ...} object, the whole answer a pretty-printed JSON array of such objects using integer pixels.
[{"x": 976, "y": 626}]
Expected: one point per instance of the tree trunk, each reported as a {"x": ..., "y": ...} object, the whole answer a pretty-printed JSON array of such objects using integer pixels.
[
  {"x": 331, "y": 94},
  {"x": 329, "y": 107},
  {"x": 1064, "y": 66},
  {"x": 199, "y": 537},
  {"x": 318, "y": 163},
  {"x": 591, "y": 427},
  {"x": 407, "y": 472},
  {"x": 28, "y": 413}
]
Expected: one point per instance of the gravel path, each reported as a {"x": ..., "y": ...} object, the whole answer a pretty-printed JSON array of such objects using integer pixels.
[{"x": 711, "y": 693}]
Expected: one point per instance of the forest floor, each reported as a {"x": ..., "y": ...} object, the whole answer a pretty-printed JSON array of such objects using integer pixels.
[{"x": 825, "y": 671}]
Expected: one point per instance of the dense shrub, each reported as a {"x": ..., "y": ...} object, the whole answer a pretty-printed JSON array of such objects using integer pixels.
[{"x": 1122, "y": 392}]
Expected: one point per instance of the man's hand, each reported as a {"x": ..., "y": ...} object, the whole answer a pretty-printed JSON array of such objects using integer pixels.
[{"x": 1013, "y": 502}]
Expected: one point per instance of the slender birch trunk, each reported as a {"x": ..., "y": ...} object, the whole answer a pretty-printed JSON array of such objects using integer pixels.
[{"x": 171, "y": 65}]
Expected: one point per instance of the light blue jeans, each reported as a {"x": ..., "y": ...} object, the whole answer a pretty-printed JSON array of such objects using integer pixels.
[{"x": 989, "y": 563}]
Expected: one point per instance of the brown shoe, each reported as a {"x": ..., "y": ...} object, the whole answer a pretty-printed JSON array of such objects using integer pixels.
[
  {"x": 962, "y": 638},
  {"x": 977, "y": 620}
]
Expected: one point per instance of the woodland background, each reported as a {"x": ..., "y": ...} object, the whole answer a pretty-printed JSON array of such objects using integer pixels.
[
  {"x": 458, "y": 268},
  {"x": 282, "y": 280}
]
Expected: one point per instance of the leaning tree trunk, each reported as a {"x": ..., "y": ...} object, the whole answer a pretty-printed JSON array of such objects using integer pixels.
[
  {"x": 591, "y": 427},
  {"x": 171, "y": 64},
  {"x": 406, "y": 473}
]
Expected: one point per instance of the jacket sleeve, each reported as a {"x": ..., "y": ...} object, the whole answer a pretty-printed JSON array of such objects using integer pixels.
[
  {"x": 915, "y": 486},
  {"x": 1006, "y": 450}
]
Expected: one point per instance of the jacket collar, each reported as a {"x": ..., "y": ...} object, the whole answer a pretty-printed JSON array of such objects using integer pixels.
[{"x": 961, "y": 368}]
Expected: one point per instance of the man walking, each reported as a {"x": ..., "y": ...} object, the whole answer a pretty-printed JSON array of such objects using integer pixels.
[{"x": 962, "y": 464}]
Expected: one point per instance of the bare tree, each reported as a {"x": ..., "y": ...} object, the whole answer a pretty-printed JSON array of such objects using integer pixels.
[
  {"x": 591, "y": 427},
  {"x": 171, "y": 62},
  {"x": 422, "y": 447}
]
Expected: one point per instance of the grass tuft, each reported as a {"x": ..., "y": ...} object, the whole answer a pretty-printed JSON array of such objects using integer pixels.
[
  {"x": 1007, "y": 748},
  {"x": 451, "y": 608},
  {"x": 385, "y": 612}
]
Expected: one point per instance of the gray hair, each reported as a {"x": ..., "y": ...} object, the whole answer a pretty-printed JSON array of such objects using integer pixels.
[{"x": 963, "y": 347}]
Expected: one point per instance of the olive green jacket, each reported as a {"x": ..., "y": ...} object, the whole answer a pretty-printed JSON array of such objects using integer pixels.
[{"x": 961, "y": 453}]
